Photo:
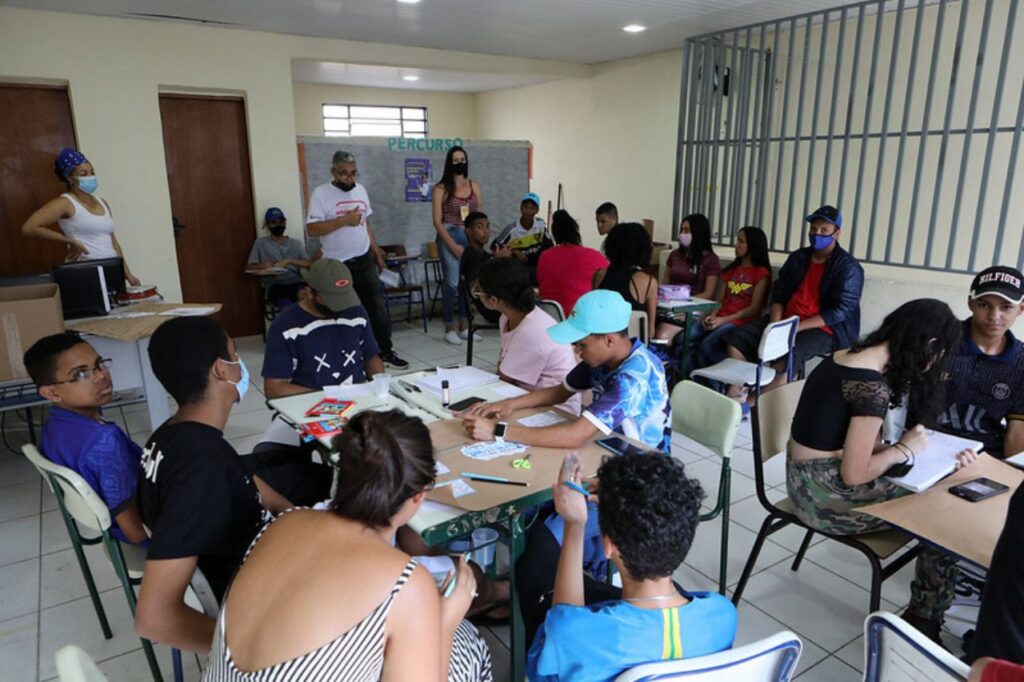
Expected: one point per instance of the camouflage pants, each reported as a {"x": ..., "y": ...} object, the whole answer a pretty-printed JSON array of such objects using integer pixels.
[{"x": 821, "y": 499}]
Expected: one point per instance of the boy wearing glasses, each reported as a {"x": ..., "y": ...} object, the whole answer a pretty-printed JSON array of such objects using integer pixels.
[
  {"x": 821, "y": 284},
  {"x": 71, "y": 375}
]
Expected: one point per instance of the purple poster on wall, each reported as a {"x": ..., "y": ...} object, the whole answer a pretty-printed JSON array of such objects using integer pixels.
[{"x": 417, "y": 180}]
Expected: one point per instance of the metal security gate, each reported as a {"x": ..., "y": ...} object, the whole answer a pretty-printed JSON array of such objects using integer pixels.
[{"x": 906, "y": 115}]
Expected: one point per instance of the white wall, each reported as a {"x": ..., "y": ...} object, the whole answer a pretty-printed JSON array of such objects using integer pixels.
[
  {"x": 606, "y": 137},
  {"x": 116, "y": 68},
  {"x": 449, "y": 114}
]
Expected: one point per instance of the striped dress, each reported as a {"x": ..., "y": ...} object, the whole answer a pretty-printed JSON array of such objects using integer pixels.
[{"x": 355, "y": 656}]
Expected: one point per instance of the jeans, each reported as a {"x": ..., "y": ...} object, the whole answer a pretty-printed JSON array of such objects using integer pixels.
[
  {"x": 450, "y": 276},
  {"x": 366, "y": 282},
  {"x": 711, "y": 345}
]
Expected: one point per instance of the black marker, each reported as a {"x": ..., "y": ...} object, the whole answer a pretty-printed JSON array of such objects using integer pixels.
[{"x": 446, "y": 394}]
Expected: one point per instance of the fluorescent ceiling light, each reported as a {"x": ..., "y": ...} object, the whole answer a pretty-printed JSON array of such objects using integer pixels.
[
  {"x": 409, "y": 2},
  {"x": 634, "y": 28},
  {"x": 410, "y": 78}
]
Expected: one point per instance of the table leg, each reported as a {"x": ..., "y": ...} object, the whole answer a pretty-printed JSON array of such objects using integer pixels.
[
  {"x": 156, "y": 396},
  {"x": 517, "y": 631}
]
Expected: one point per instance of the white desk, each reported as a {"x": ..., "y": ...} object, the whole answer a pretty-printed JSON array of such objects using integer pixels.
[{"x": 405, "y": 387}]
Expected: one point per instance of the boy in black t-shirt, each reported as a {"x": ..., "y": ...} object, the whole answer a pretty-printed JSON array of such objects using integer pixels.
[
  {"x": 478, "y": 233},
  {"x": 196, "y": 497}
]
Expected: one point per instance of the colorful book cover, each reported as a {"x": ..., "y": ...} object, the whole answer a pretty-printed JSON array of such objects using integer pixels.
[{"x": 331, "y": 407}]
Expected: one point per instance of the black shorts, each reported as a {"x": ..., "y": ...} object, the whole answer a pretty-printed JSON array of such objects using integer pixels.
[{"x": 808, "y": 344}]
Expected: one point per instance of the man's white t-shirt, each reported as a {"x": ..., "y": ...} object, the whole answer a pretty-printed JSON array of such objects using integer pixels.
[{"x": 327, "y": 203}]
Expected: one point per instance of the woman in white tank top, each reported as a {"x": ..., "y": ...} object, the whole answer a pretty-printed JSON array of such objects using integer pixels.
[{"x": 87, "y": 226}]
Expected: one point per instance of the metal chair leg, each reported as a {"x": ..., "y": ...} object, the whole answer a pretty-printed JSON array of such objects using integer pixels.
[
  {"x": 725, "y": 495},
  {"x": 469, "y": 345},
  {"x": 804, "y": 544},
  {"x": 762, "y": 535},
  {"x": 179, "y": 674},
  {"x": 90, "y": 584},
  {"x": 876, "y": 582},
  {"x": 117, "y": 559}
]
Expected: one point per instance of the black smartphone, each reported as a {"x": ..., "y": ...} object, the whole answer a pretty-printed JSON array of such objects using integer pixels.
[
  {"x": 619, "y": 446},
  {"x": 465, "y": 404},
  {"x": 978, "y": 489}
]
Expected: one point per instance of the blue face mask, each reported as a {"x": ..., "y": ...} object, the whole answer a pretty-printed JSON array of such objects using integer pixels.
[
  {"x": 820, "y": 242},
  {"x": 242, "y": 385},
  {"x": 88, "y": 183}
]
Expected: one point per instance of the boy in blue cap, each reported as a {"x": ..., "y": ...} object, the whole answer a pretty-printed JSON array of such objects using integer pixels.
[
  {"x": 527, "y": 237},
  {"x": 282, "y": 254},
  {"x": 628, "y": 383}
]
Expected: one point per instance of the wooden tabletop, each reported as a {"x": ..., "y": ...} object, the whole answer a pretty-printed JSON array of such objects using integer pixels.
[
  {"x": 967, "y": 529},
  {"x": 133, "y": 322}
]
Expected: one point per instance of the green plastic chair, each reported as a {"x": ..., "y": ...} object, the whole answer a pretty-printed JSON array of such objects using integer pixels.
[
  {"x": 711, "y": 419},
  {"x": 81, "y": 507}
]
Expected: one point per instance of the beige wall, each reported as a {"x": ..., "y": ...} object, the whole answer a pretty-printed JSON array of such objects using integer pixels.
[
  {"x": 606, "y": 137},
  {"x": 449, "y": 114},
  {"x": 116, "y": 68}
]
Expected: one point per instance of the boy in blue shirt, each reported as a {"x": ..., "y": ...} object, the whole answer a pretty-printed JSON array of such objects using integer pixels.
[
  {"x": 648, "y": 515},
  {"x": 71, "y": 375},
  {"x": 627, "y": 380}
]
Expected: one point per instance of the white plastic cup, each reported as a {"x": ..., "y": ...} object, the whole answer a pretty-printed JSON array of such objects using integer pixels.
[
  {"x": 381, "y": 382},
  {"x": 484, "y": 555}
]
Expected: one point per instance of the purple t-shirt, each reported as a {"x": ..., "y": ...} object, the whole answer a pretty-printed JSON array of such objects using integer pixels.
[
  {"x": 100, "y": 452},
  {"x": 316, "y": 351}
]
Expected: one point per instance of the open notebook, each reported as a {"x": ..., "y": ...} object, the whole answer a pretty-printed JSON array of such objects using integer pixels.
[{"x": 936, "y": 462}]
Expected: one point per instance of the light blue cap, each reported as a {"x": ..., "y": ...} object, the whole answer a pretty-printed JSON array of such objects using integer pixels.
[
  {"x": 600, "y": 311},
  {"x": 531, "y": 196}
]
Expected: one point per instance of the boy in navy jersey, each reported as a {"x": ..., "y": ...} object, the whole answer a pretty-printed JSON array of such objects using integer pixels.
[{"x": 985, "y": 389}]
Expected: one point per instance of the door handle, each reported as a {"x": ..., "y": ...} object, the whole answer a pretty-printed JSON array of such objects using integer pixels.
[{"x": 176, "y": 226}]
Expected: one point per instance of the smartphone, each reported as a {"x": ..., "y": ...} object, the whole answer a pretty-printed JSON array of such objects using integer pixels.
[
  {"x": 619, "y": 446},
  {"x": 465, "y": 404},
  {"x": 978, "y": 489}
]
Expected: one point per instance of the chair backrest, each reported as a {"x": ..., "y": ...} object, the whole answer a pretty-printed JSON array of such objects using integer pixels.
[
  {"x": 706, "y": 416},
  {"x": 663, "y": 266},
  {"x": 638, "y": 325},
  {"x": 76, "y": 496},
  {"x": 777, "y": 339},
  {"x": 772, "y": 659},
  {"x": 552, "y": 308},
  {"x": 894, "y": 650},
  {"x": 74, "y": 665},
  {"x": 775, "y": 411},
  {"x": 204, "y": 594}
]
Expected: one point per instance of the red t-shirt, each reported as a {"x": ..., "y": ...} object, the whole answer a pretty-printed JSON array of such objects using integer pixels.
[
  {"x": 1002, "y": 671},
  {"x": 739, "y": 283},
  {"x": 806, "y": 300},
  {"x": 565, "y": 272}
]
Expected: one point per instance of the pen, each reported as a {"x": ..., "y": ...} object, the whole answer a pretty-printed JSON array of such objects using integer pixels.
[
  {"x": 577, "y": 487},
  {"x": 492, "y": 479}
]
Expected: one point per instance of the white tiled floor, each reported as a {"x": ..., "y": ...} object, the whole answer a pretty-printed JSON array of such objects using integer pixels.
[{"x": 44, "y": 603}]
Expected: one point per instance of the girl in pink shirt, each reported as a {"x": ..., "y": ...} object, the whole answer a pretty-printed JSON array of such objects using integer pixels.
[{"x": 529, "y": 357}]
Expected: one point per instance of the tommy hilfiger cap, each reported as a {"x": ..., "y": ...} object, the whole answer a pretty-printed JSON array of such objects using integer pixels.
[{"x": 999, "y": 280}]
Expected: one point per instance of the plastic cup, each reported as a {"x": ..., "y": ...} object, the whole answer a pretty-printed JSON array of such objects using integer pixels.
[
  {"x": 381, "y": 382},
  {"x": 484, "y": 546}
]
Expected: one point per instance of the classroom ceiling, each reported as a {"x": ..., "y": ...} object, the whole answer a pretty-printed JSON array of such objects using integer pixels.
[{"x": 580, "y": 31}]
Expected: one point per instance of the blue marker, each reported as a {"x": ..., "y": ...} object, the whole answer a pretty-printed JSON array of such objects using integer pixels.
[{"x": 577, "y": 487}]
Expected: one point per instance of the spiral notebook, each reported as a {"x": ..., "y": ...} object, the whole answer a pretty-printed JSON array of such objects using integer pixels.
[{"x": 936, "y": 462}]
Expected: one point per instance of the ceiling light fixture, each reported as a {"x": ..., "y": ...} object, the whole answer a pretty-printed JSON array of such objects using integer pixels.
[
  {"x": 411, "y": 79},
  {"x": 409, "y": 2},
  {"x": 634, "y": 28}
]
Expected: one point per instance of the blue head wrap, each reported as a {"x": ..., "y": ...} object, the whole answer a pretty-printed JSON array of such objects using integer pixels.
[{"x": 68, "y": 160}]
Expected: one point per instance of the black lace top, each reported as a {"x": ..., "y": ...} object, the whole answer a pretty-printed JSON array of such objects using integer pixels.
[{"x": 832, "y": 395}]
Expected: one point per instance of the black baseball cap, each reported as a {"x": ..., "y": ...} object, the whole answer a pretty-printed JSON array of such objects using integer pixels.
[
  {"x": 273, "y": 213},
  {"x": 829, "y": 213},
  {"x": 999, "y": 280}
]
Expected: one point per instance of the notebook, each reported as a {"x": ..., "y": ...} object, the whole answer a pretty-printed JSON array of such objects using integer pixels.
[
  {"x": 459, "y": 379},
  {"x": 936, "y": 462}
]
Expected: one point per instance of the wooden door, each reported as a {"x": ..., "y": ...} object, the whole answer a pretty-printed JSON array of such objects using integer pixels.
[
  {"x": 207, "y": 151},
  {"x": 36, "y": 126}
]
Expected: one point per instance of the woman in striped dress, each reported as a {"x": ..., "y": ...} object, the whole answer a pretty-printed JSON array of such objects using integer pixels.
[{"x": 326, "y": 595}]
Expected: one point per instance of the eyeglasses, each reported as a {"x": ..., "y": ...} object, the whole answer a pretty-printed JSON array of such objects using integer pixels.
[
  {"x": 354, "y": 175},
  {"x": 82, "y": 375}
]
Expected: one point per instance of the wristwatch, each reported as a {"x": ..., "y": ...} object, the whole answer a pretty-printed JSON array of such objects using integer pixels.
[{"x": 499, "y": 431}]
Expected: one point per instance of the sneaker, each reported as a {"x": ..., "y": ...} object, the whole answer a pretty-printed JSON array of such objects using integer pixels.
[
  {"x": 391, "y": 359},
  {"x": 452, "y": 337},
  {"x": 464, "y": 335}
]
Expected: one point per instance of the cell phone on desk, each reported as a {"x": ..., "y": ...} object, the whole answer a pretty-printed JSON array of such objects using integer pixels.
[
  {"x": 465, "y": 404},
  {"x": 978, "y": 489},
  {"x": 619, "y": 446}
]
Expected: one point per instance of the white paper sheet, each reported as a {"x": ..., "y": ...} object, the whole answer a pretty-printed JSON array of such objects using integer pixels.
[
  {"x": 936, "y": 462},
  {"x": 460, "y": 488},
  {"x": 459, "y": 379},
  {"x": 348, "y": 391},
  {"x": 542, "y": 419},
  {"x": 440, "y": 469},
  {"x": 492, "y": 450},
  {"x": 188, "y": 312}
]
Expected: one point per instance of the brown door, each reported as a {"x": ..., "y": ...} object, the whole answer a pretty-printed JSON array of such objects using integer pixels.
[
  {"x": 207, "y": 151},
  {"x": 36, "y": 126}
]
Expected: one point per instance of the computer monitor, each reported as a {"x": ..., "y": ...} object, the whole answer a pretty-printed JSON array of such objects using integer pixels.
[{"x": 89, "y": 287}]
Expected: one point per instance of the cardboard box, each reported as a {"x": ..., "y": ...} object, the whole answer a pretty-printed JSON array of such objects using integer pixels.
[{"x": 27, "y": 314}]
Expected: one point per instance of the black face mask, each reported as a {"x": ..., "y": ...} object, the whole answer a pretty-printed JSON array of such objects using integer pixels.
[
  {"x": 343, "y": 187},
  {"x": 276, "y": 230},
  {"x": 324, "y": 310},
  {"x": 461, "y": 169}
]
